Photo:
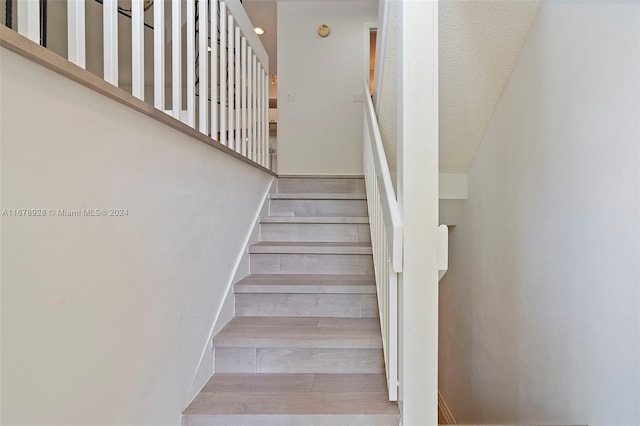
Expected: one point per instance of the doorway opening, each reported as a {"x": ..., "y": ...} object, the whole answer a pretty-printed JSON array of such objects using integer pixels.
[{"x": 373, "y": 33}]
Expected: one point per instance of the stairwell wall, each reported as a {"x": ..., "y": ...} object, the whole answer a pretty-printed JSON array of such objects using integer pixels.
[
  {"x": 320, "y": 95},
  {"x": 104, "y": 319},
  {"x": 539, "y": 311}
]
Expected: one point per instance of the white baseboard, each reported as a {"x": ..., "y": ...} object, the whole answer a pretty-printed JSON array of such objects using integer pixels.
[{"x": 225, "y": 310}]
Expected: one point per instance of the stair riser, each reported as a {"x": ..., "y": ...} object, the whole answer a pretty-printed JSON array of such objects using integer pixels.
[
  {"x": 321, "y": 185},
  {"x": 325, "y": 232},
  {"x": 318, "y": 208},
  {"x": 299, "y": 360},
  {"x": 307, "y": 305},
  {"x": 291, "y": 420},
  {"x": 311, "y": 263},
  {"x": 300, "y": 289}
]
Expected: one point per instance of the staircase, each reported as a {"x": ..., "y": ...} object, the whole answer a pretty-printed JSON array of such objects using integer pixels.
[{"x": 304, "y": 347}]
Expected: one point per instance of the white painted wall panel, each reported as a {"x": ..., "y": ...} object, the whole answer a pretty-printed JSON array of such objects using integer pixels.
[
  {"x": 104, "y": 319},
  {"x": 539, "y": 311},
  {"x": 319, "y": 124}
]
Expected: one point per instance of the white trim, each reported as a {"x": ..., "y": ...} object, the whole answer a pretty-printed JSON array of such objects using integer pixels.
[
  {"x": 245, "y": 244},
  {"x": 443, "y": 250},
  {"x": 418, "y": 199}
]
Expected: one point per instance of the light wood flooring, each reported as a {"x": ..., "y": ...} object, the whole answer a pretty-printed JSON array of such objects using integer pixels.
[{"x": 304, "y": 348}]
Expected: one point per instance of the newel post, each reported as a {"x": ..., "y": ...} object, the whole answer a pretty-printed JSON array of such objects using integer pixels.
[{"x": 418, "y": 198}]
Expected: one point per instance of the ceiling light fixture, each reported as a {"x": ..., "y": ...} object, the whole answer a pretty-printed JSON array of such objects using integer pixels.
[{"x": 259, "y": 30}]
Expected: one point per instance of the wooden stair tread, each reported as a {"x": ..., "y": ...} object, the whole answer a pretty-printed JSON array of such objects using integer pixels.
[
  {"x": 317, "y": 196},
  {"x": 306, "y": 247},
  {"x": 293, "y": 394},
  {"x": 306, "y": 283},
  {"x": 300, "y": 332}
]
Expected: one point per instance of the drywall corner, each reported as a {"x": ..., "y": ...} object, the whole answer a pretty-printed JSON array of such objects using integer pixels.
[{"x": 453, "y": 193}]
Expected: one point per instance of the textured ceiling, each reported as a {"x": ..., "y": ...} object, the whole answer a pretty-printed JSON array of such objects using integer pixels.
[{"x": 480, "y": 42}]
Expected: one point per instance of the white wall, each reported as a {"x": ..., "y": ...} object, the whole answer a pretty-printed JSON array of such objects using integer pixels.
[
  {"x": 104, "y": 319},
  {"x": 539, "y": 311},
  {"x": 321, "y": 132}
]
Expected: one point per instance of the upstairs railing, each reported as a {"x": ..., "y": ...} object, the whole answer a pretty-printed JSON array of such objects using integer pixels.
[
  {"x": 224, "y": 93},
  {"x": 386, "y": 240}
]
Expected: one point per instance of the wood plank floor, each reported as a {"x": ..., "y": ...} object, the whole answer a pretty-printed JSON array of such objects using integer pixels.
[{"x": 300, "y": 332}]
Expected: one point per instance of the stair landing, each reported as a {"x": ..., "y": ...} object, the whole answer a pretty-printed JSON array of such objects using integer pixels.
[{"x": 231, "y": 399}]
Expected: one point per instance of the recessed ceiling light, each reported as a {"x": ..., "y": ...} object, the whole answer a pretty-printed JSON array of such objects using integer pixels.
[{"x": 259, "y": 30}]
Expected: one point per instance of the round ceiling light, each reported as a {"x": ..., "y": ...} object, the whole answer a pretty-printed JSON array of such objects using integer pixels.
[{"x": 259, "y": 30}]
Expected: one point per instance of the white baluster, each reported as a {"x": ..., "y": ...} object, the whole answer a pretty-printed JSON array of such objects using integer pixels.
[
  {"x": 137, "y": 48},
  {"x": 237, "y": 90},
  {"x": 254, "y": 107},
  {"x": 76, "y": 44},
  {"x": 267, "y": 156},
  {"x": 392, "y": 325},
  {"x": 249, "y": 103},
  {"x": 110, "y": 28},
  {"x": 203, "y": 62},
  {"x": 191, "y": 63},
  {"x": 214, "y": 68},
  {"x": 176, "y": 58},
  {"x": 29, "y": 19},
  {"x": 244, "y": 95},
  {"x": 158, "y": 55},
  {"x": 233, "y": 135},
  {"x": 223, "y": 73},
  {"x": 258, "y": 158}
]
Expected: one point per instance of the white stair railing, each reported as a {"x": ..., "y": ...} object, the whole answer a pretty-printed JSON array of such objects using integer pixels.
[
  {"x": 386, "y": 240},
  {"x": 221, "y": 47}
]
